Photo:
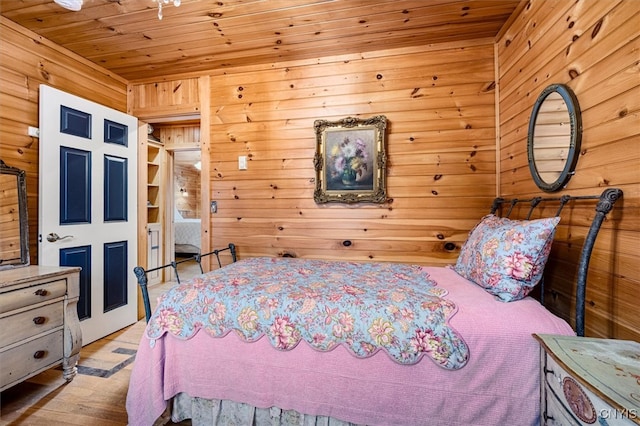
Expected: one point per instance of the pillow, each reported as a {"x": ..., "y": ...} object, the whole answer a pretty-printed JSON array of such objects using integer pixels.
[{"x": 507, "y": 257}]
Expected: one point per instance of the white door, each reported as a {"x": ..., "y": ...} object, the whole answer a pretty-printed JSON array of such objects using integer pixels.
[{"x": 88, "y": 205}]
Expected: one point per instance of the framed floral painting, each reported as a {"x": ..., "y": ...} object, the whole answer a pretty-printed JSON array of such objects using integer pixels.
[{"x": 350, "y": 160}]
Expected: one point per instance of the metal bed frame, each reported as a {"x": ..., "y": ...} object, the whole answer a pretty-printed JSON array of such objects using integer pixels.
[
  {"x": 141, "y": 273},
  {"x": 606, "y": 200}
]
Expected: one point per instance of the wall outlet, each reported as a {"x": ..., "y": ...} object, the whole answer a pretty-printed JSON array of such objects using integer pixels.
[{"x": 34, "y": 131}]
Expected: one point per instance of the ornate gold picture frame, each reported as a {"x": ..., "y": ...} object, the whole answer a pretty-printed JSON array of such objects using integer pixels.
[{"x": 350, "y": 160}]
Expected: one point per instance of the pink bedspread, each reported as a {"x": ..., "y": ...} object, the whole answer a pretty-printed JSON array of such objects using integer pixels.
[{"x": 499, "y": 385}]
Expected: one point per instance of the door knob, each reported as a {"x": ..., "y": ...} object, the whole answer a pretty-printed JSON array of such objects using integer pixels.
[{"x": 53, "y": 237}]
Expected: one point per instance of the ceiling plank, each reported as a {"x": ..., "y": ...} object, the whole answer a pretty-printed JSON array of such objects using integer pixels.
[{"x": 127, "y": 37}]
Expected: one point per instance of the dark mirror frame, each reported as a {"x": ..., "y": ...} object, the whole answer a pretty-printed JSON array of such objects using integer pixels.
[
  {"x": 21, "y": 181},
  {"x": 574, "y": 143}
]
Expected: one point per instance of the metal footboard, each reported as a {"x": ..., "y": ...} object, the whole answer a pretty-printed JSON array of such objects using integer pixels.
[{"x": 141, "y": 273}]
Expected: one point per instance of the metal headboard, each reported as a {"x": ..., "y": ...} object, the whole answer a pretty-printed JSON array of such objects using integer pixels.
[{"x": 606, "y": 201}]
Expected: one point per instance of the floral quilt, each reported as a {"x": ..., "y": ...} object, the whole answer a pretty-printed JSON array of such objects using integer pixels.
[{"x": 366, "y": 307}]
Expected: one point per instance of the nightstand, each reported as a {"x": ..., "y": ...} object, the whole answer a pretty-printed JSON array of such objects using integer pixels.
[{"x": 589, "y": 381}]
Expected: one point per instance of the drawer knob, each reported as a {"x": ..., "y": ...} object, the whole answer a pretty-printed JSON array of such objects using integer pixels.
[
  {"x": 39, "y": 320},
  {"x": 39, "y": 354},
  {"x": 41, "y": 292}
]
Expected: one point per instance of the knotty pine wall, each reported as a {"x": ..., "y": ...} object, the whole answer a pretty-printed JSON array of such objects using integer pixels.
[
  {"x": 26, "y": 61},
  {"x": 441, "y": 175},
  {"x": 593, "y": 48}
]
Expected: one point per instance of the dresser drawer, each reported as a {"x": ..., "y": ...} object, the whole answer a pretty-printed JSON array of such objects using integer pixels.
[
  {"x": 30, "y": 358},
  {"x": 31, "y": 295},
  {"x": 554, "y": 413},
  {"x": 29, "y": 323},
  {"x": 568, "y": 402}
]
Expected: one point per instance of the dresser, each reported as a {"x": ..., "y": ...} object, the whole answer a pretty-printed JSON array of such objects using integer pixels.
[
  {"x": 39, "y": 326},
  {"x": 589, "y": 381}
]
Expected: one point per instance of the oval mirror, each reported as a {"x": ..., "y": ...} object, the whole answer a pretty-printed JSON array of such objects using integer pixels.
[{"x": 555, "y": 133}]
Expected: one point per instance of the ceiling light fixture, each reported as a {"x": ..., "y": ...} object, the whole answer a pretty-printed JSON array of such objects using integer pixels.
[
  {"x": 74, "y": 5},
  {"x": 176, "y": 3}
]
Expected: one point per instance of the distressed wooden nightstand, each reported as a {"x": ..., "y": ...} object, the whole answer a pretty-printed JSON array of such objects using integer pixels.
[{"x": 589, "y": 381}]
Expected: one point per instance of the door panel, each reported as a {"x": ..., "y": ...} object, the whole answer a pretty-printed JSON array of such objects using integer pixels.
[
  {"x": 154, "y": 258},
  {"x": 115, "y": 189},
  {"x": 80, "y": 256},
  {"x": 75, "y": 186},
  {"x": 115, "y": 275},
  {"x": 87, "y": 212}
]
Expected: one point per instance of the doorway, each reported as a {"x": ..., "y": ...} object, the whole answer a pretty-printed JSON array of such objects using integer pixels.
[
  {"x": 179, "y": 204},
  {"x": 187, "y": 196}
]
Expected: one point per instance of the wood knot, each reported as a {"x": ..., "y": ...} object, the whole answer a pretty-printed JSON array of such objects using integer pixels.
[{"x": 596, "y": 29}]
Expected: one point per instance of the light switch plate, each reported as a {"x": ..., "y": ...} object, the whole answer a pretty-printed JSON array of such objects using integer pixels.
[
  {"x": 34, "y": 131},
  {"x": 242, "y": 162}
]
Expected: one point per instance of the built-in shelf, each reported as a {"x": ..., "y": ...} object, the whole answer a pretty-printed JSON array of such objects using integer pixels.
[{"x": 153, "y": 181}]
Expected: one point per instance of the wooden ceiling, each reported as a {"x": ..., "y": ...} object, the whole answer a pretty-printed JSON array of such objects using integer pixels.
[{"x": 126, "y": 36}]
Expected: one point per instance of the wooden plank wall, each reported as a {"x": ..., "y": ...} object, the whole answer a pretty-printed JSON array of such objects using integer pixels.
[
  {"x": 593, "y": 48},
  {"x": 26, "y": 61},
  {"x": 165, "y": 98},
  {"x": 439, "y": 102}
]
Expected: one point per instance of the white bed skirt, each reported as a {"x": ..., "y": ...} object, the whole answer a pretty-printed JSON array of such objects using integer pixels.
[{"x": 205, "y": 412}]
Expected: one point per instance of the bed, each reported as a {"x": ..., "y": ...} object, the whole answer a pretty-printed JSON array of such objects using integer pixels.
[
  {"x": 187, "y": 234},
  {"x": 303, "y": 341}
]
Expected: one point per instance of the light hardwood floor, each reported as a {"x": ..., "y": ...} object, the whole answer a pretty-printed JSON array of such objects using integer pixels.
[{"x": 96, "y": 396}]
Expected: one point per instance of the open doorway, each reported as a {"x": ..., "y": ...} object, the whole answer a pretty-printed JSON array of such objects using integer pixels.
[
  {"x": 186, "y": 202},
  {"x": 174, "y": 157},
  {"x": 160, "y": 137}
]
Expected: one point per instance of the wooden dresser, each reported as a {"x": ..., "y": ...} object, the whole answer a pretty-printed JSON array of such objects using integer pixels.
[
  {"x": 589, "y": 381},
  {"x": 39, "y": 325}
]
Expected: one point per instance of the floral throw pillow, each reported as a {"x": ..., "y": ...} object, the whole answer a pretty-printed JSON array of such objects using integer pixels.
[{"x": 507, "y": 257}]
